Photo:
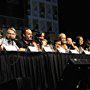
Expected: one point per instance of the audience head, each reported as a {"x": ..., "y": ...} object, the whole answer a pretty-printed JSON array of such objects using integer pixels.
[
  {"x": 79, "y": 40},
  {"x": 42, "y": 36},
  {"x": 44, "y": 42},
  {"x": 87, "y": 45},
  {"x": 58, "y": 44},
  {"x": 62, "y": 38},
  {"x": 69, "y": 41},
  {"x": 27, "y": 34},
  {"x": 11, "y": 33}
]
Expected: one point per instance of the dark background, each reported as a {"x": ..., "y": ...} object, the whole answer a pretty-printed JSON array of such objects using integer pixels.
[
  {"x": 74, "y": 17},
  {"x": 11, "y": 8}
]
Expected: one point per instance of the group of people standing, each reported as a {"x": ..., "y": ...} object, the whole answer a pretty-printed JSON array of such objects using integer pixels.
[{"x": 63, "y": 43}]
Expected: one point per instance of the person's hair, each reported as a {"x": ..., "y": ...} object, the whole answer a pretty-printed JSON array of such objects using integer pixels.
[
  {"x": 45, "y": 40},
  {"x": 60, "y": 35},
  {"x": 78, "y": 37},
  {"x": 87, "y": 44},
  {"x": 1, "y": 32},
  {"x": 24, "y": 30},
  {"x": 11, "y": 28},
  {"x": 77, "y": 40}
]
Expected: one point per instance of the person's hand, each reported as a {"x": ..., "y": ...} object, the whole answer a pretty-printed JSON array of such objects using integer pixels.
[
  {"x": 22, "y": 49},
  {"x": 1, "y": 47}
]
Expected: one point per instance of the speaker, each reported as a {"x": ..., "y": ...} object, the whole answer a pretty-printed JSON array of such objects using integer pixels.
[
  {"x": 17, "y": 84},
  {"x": 79, "y": 61},
  {"x": 76, "y": 75}
]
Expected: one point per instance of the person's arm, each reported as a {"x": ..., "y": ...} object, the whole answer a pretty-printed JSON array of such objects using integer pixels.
[
  {"x": 35, "y": 44},
  {"x": 75, "y": 47},
  {"x": 1, "y": 45},
  {"x": 22, "y": 49},
  {"x": 20, "y": 45}
]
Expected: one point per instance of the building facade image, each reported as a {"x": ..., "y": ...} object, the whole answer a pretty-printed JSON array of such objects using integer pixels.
[{"x": 39, "y": 15}]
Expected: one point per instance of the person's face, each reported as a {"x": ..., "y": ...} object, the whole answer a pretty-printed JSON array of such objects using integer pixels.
[
  {"x": 1, "y": 36},
  {"x": 10, "y": 34},
  {"x": 69, "y": 41},
  {"x": 63, "y": 39},
  {"x": 44, "y": 43},
  {"x": 58, "y": 44},
  {"x": 28, "y": 34},
  {"x": 81, "y": 41},
  {"x": 42, "y": 36}
]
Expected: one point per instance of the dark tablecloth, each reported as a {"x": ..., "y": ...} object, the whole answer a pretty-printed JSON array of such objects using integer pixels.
[{"x": 44, "y": 69}]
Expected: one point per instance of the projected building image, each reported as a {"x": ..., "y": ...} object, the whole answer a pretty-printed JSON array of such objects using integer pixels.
[{"x": 39, "y": 15}]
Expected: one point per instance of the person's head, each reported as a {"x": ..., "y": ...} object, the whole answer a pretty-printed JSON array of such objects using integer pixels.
[
  {"x": 69, "y": 41},
  {"x": 1, "y": 34},
  {"x": 11, "y": 33},
  {"x": 58, "y": 44},
  {"x": 27, "y": 34},
  {"x": 42, "y": 36},
  {"x": 62, "y": 38},
  {"x": 87, "y": 45},
  {"x": 44, "y": 42},
  {"x": 79, "y": 40}
]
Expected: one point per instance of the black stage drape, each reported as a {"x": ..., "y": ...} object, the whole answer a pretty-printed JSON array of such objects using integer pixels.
[{"x": 44, "y": 70}]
